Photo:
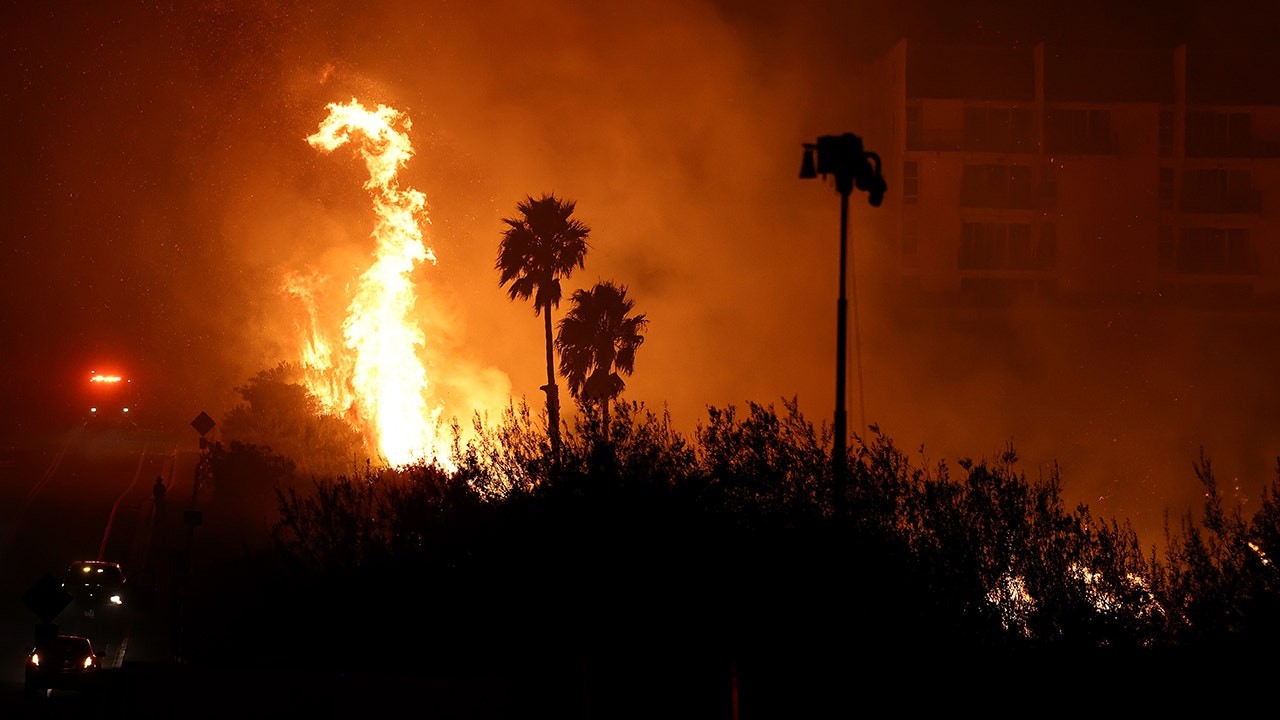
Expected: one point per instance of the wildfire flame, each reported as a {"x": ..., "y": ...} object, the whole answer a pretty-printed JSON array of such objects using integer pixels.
[{"x": 376, "y": 377}]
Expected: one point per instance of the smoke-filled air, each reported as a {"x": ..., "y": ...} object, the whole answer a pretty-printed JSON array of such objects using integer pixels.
[{"x": 197, "y": 192}]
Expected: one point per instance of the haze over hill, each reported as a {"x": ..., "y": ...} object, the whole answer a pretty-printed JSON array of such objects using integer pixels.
[{"x": 160, "y": 188}]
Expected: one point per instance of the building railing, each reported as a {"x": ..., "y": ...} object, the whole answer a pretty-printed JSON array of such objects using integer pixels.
[
  {"x": 935, "y": 140},
  {"x": 1105, "y": 145},
  {"x": 952, "y": 140},
  {"x": 1237, "y": 203},
  {"x": 1250, "y": 148}
]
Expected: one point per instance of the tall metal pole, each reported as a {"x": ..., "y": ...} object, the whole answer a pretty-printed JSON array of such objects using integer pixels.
[
  {"x": 844, "y": 158},
  {"x": 842, "y": 311}
]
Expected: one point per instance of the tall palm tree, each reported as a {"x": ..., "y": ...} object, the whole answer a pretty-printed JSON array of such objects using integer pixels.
[
  {"x": 597, "y": 340},
  {"x": 539, "y": 247}
]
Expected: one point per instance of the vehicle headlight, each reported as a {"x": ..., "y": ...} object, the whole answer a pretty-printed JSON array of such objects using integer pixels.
[
  {"x": 88, "y": 662},
  {"x": 35, "y": 659},
  {"x": 115, "y": 600}
]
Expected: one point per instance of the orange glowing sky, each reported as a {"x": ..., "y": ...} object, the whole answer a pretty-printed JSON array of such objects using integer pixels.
[{"x": 160, "y": 188}]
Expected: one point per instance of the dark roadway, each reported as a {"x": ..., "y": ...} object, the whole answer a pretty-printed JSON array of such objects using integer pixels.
[{"x": 86, "y": 493}]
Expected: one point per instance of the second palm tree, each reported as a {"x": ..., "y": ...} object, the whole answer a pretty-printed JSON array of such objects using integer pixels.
[{"x": 598, "y": 339}]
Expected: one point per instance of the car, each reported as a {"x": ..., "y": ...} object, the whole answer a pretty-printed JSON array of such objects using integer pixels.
[
  {"x": 95, "y": 585},
  {"x": 97, "y": 581},
  {"x": 61, "y": 663},
  {"x": 100, "y": 607}
]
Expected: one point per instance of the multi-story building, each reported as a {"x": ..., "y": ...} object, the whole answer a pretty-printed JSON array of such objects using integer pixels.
[
  {"x": 1079, "y": 251},
  {"x": 1074, "y": 176}
]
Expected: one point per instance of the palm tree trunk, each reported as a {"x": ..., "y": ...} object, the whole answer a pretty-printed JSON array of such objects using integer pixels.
[
  {"x": 553, "y": 393},
  {"x": 605, "y": 408}
]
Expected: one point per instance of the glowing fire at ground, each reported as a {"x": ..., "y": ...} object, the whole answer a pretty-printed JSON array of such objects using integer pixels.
[{"x": 376, "y": 377}]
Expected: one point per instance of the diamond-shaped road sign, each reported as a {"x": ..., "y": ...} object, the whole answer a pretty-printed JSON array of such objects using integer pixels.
[
  {"x": 203, "y": 423},
  {"x": 47, "y": 598}
]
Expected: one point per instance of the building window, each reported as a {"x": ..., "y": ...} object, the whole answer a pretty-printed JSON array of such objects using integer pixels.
[
  {"x": 910, "y": 182},
  {"x": 998, "y": 130},
  {"x": 1166, "y": 188},
  {"x": 982, "y": 245},
  {"x": 1215, "y": 251},
  {"x": 1165, "y": 248},
  {"x": 1047, "y": 249},
  {"x": 1166, "y": 133},
  {"x": 1214, "y": 190},
  {"x": 996, "y": 186},
  {"x": 1019, "y": 253},
  {"x": 1219, "y": 134},
  {"x": 1005, "y": 246},
  {"x": 1080, "y": 132},
  {"x": 1048, "y": 185},
  {"x": 915, "y": 125}
]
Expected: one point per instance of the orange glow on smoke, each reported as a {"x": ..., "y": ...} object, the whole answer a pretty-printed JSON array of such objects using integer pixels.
[{"x": 375, "y": 376}]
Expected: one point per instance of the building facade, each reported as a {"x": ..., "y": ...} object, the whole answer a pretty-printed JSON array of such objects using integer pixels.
[{"x": 1034, "y": 174}]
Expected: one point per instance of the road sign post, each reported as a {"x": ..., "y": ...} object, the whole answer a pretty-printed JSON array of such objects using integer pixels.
[
  {"x": 191, "y": 518},
  {"x": 203, "y": 423}
]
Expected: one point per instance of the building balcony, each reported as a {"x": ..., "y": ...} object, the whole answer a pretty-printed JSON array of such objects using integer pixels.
[
  {"x": 1243, "y": 203},
  {"x": 1250, "y": 148},
  {"x": 1208, "y": 291},
  {"x": 1093, "y": 145},
  {"x": 935, "y": 140},
  {"x": 951, "y": 140}
]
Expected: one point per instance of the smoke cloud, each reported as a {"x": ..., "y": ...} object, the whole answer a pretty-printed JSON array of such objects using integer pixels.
[{"x": 161, "y": 190}]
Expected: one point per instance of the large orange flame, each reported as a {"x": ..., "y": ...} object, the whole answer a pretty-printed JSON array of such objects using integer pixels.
[{"x": 377, "y": 377}]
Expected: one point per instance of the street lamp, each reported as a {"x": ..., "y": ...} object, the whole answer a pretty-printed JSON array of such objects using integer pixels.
[{"x": 842, "y": 156}]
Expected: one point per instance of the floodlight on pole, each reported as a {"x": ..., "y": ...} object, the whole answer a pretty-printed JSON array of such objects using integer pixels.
[{"x": 843, "y": 157}]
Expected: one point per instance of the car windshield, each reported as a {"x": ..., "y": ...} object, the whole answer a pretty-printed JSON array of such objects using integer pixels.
[{"x": 90, "y": 575}]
